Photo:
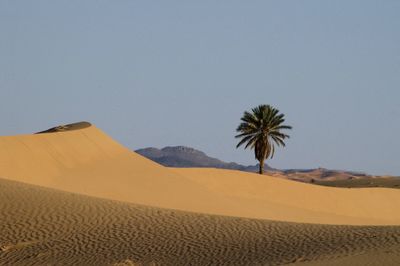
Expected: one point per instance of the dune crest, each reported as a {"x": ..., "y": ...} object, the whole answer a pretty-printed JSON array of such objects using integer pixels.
[
  {"x": 68, "y": 127},
  {"x": 82, "y": 159}
]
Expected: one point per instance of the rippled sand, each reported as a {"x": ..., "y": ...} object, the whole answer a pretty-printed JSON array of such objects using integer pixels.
[{"x": 41, "y": 226}]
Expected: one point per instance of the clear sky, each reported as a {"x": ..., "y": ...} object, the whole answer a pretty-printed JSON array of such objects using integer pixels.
[{"x": 158, "y": 73}]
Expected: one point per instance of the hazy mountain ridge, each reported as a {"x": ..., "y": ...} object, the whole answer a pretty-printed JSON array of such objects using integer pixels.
[{"x": 182, "y": 156}]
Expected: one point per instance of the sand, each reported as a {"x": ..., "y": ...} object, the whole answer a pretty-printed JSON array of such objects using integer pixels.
[
  {"x": 74, "y": 196},
  {"x": 87, "y": 161},
  {"x": 301, "y": 202},
  {"x": 41, "y": 226}
]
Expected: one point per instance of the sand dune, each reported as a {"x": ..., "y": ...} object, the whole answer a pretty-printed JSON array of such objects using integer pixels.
[
  {"x": 87, "y": 161},
  {"x": 73, "y": 196},
  {"x": 326, "y": 204},
  {"x": 41, "y": 226}
]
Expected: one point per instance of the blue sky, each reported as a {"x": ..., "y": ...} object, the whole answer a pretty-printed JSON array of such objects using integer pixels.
[{"x": 158, "y": 73}]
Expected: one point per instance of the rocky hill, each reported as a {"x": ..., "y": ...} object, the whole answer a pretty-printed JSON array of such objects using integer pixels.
[{"x": 182, "y": 156}]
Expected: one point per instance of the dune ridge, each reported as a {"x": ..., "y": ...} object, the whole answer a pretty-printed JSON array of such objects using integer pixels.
[{"x": 87, "y": 161}]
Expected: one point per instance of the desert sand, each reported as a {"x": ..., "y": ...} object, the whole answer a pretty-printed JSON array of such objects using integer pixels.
[
  {"x": 77, "y": 197},
  {"x": 286, "y": 200},
  {"x": 41, "y": 226}
]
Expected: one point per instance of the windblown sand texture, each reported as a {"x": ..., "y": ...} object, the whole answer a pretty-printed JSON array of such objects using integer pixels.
[
  {"x": 76, "y": 197},
  {"x": 43, "y": 226}
]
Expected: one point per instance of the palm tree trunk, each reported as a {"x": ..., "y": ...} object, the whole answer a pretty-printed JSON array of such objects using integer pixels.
[{"x": 261, "y": 170}]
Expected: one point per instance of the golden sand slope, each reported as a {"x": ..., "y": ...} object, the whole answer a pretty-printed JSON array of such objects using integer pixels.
[
  {"x": 41, "y": 226},
  {"x": 286, "y": 199},
  {"x": 89, "y": 162}
]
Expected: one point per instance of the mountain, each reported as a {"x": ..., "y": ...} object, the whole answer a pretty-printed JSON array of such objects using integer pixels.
[
  {"x": 186, "y": 157},
  {"x": 181, "y": 156}
]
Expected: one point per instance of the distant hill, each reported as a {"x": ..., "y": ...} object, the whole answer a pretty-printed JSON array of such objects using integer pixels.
[
  {"x": 322, "y": 174},
  {"x": 182, "y": 156}
]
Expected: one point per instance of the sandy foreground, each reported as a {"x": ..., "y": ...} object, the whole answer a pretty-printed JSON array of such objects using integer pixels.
[
  {"x": 41, "y": 226},
  {"x": 80, "y": 198}
]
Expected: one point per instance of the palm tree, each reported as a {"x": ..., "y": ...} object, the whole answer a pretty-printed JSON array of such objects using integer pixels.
[{"x": 261, "y": 129}]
